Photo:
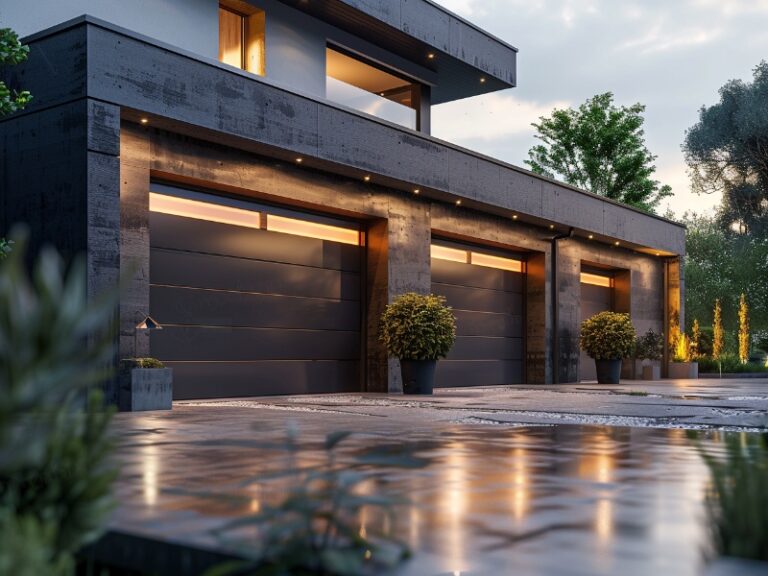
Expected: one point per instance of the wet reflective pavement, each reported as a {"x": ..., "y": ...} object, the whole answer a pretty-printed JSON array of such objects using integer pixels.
[{"x": 494, "y": 499}]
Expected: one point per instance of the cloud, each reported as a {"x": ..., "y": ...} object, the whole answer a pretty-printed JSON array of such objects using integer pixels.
[{"x": 490, "y": 117}]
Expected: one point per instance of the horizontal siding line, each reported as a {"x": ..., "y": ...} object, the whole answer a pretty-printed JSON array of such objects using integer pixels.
[
  {"x": 434, "y": 283},
  {"x": 157, "y": 248},
  {"x": 251, "y": 293},
  {"x": 272, "y": 360},
  {"x": 264, "y": 328}
]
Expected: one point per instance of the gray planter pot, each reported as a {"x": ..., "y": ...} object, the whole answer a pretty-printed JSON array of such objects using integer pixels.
[
  {"x": 608, "y": 371},
  {"x": 146, "y": 389},
  {"x": 684, "y": 370},
  {"x": 418, "y": 376},
  {"x": 651, "y": 371}
]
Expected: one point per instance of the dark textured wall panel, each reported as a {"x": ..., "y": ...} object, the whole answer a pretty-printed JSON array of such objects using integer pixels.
[
  {"x": 228, "y": 380},
  {"x": 451, "y": 373}
]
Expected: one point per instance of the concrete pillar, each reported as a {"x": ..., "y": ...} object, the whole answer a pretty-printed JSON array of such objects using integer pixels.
[
  {"x": 398, "y": 262},
  {"x": 134, "y": 238},
  {"x": 568, "y": 303}
]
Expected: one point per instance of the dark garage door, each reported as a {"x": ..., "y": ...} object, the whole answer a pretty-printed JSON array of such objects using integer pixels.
[
  {"x": 596, "y": 296},
  {"x": 249, "y": 311},
  {"x": 488, "y": 303}
]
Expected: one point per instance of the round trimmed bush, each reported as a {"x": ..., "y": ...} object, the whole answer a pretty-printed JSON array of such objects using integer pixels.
[
  {"x": 418, "y": 327},
  {"x": 608, "y": 336}
]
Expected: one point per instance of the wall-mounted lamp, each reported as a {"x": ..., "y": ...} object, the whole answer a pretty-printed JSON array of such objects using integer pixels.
[{"x": 148, "y": 324}]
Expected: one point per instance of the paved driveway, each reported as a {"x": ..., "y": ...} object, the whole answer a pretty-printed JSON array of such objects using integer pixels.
[{"x": 568, "y": 480}]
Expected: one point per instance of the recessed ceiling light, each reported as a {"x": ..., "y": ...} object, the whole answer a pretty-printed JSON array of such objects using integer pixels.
[
  {"x": 616, "y": 243},
  {"x": 367, "y": 178},
  {"x": 431, "y": 55},
  {"x": 482, "y": 80},
  {"x": 551, "y": 226},
  {"x": 458, "y": 202},
  {"x": 591, "y": 236},
  {"x": 514, "y": 216},
  {"x": 144, "y": 120},
  {"x": 657, "y": 254},
  {"x": 416, "y": 191},
  {"x": 299, "y": 160}
]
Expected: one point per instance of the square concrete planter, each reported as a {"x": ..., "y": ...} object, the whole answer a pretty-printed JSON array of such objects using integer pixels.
[
  {"x": 684, "y": 370},
  {"x": 651, "y": 371},
  {"x": 146, "y": 389}
]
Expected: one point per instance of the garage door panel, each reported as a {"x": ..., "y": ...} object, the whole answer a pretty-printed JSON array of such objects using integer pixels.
[
  {"x": 486, "y": 348},
  {"x": 471, "y": 323},
  {"x": 236, "y": 379},
  {"x": 217, "y": 308},
  {"x": 238, "y": 274},
  {"x": 190, "y": 234},
  {"x": 457, "y": 273},
  {"x": 451, "y": 373},
  {"x": 480, "y": 300},
  {"x": 205, "y": 343}
]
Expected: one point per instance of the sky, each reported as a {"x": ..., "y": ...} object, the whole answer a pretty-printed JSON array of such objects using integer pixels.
[{"x": 670, "y": 55}]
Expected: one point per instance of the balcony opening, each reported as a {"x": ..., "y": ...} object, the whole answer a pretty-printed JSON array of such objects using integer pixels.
[
  {"x": 370, "y": 89},
  {"x": 241, "y": 36}
]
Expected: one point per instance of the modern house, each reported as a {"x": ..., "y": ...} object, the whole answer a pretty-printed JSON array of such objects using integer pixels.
[{"x": 262, "y": 175}]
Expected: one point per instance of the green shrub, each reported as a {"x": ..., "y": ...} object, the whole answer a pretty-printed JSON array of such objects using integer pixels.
[
  {"x": 418, "y": 327},
  {"x": 649, "y": 346},
  {"x": 730, "y": 364},
  {"x": 128, "y": 363},
  {"x": 737, "y": 502},
  {"x": 5, "y": 248},
  {"x": 608, "y": 336},
  {"x": 55, "y": 475}
]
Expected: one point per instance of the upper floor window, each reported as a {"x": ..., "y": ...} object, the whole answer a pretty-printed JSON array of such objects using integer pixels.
[
  {"x": 370, "y": 89},
  {"x": 241, "y": 36}
]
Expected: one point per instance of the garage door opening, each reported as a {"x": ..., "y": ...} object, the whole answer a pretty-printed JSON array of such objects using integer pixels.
[
  {"x": 254, "y": 299},
  {"x": 597, "y": 295},
  {"x": 486, "y": 290}
]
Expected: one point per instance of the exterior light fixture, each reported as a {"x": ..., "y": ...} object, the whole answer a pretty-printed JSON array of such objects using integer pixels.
[
  {"x": 657, "y": 254},
  {"x": 146, "y": 325},
  {"x": 551, "y": 226},
  {"x": 458, "y": 202},
  {"x": 431, "y": 55},
  {"x": 514, "y": 216},
  {"x": 416, "y": 191},
  {"x": 367, "y": 178},
  {"x": 482, "y": 80},
  {"x": 616, "y": 243},
  {"x": 144, "y": 120},
  {"x": 591, "y": 236},
  {"x": 299, "y": 160}
]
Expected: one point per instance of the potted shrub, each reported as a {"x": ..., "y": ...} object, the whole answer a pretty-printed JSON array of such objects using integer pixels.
[
  {"x": 608, "y": 337},
  {"x": 145, "y": 384},
  {"x": 418, "y": 329},
  {"x": 682, "y": 365},
  {"x": 649, "y": 349}
]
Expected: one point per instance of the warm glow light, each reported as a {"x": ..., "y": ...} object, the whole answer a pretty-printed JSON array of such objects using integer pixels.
[
  {"x": 489, "y": 261},
  {"x": 596, "y": 280},
  {"x": 299, "y": 160},
  {"x": 312, "y": 229},
  {"x": 451, "y": 254},
  {"x": 203, "y": 211},
  {"x": 551, "y": 226},
  {"x": 150, "y": 466},
  {"x": 482, "y": 80},
  {"x": 144, "y": 120},
  {"x": 367, "y": 178},
  {"x": 514, "y": 216},
  {"x": 458, "y": 202},
  {"x": 416, "y": 191},
  {"x": 591, "y": 236},
  {"x": 431, "y": 55},
  {"x": 617, "y": 243}
]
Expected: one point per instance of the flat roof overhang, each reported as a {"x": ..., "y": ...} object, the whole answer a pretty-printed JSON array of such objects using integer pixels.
[
  {"x": 202, "y": 98},
  {"x": 463, "y": 54}
]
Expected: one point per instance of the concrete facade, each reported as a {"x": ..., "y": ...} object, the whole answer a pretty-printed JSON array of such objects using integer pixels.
[{"x": 77, "y": 167}]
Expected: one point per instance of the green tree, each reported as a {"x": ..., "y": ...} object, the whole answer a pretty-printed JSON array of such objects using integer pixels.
[
  {"x": 599, "y": 147},
  {"x": 727, "y": 151},
  {"x": 743, "y": 329},
  {"x": 12, "y": 52}
]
